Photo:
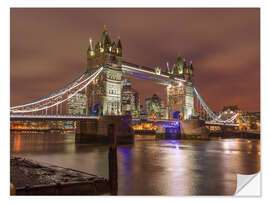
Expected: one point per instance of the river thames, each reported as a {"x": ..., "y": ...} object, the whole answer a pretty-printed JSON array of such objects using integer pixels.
[{"x": 150, "y": 167}]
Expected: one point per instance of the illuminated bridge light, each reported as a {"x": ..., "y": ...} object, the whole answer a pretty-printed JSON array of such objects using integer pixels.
[{"x": 141, "y": 75}]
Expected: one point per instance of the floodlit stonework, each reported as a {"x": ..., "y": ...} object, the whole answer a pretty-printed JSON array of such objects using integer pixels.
[
  {"x": 104, "y": 94},
  {"x": 180, "y": 98}
]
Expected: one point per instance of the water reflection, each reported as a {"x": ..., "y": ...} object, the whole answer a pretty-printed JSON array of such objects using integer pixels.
[{"x": 151, "y": 167}]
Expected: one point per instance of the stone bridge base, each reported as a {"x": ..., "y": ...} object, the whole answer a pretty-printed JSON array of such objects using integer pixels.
[
  {"x": 187, "y": 129},
  {"x": 95, "y": 131},
  {"x": 194, "y": 128}
]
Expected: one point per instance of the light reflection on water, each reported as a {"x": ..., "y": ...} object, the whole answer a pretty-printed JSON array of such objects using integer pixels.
[{"x": 151, "y": 167}]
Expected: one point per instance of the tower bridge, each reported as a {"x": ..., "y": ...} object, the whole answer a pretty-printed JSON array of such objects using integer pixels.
[
  {"x": 106, "y": 91},
  {"x": 101, "y": 87}
]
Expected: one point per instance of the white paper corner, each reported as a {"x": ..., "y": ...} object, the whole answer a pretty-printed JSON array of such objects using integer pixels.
[{"x": 248, "y": 185}]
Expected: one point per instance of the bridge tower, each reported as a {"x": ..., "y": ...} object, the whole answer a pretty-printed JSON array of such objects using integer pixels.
[
  {"x": 104, "y": 94},
  {"x": 180, "y": 98}
]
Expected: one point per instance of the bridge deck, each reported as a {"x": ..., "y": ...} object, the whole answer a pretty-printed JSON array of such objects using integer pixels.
[
  {"x": 50, "y": 117},
  {"x": 221, "y": 124},
  {"x": 41, "y": 117}
]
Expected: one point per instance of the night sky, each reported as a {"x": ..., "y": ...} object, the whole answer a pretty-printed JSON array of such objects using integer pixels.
[{"x": 48, "y": 49}]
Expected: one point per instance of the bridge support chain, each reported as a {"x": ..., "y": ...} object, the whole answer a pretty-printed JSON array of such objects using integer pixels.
[{"x": 95, "y": 130}]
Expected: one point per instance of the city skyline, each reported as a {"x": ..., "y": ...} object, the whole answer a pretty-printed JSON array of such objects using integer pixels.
[{"x": 43, "y": 60}]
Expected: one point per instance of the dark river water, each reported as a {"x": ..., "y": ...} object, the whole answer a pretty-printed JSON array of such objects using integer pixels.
[{"x": 151, "y": 167}]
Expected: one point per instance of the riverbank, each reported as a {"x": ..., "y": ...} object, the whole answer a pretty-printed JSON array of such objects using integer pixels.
[
  {"x": 230, "y": 135},
  {"x": 33, "y": 178}
]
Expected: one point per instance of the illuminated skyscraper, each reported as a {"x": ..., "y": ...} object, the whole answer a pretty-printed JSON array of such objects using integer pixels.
[{"x": 130, "y": 100}]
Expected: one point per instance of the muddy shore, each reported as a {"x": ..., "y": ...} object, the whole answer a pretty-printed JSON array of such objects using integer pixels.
[{"x": 33, "y": 178}]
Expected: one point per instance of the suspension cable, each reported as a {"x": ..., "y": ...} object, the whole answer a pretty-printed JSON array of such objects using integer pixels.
[
  {"x": 211, "y": 113},
  {"x": 89, "y": 80},
  {"x": 54, "y": 94}
]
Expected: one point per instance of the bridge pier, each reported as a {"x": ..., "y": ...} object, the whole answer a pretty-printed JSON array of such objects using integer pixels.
[
  {"x": 95, "y": 131},
  {"x": 185, "y": 129},
  {"x": 194, "y": 128},
  {"x": 227, "y": 129}
]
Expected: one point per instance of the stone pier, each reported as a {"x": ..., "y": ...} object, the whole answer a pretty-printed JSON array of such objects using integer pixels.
[
  {"x": 95, "y": 131},
  {"x": 194, "y": 128}
]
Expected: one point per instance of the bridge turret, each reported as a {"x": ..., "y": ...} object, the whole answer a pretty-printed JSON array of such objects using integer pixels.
[
  {"x": 170, "y": 70},
  {"x": 185, "y": 67},
  {"x": 119, "y": 48},
  {"x": 91, "y": 51},
  {"x": 157, "y": 70},
  {"x": 187, "y": 71},
  {"x": 179, "y": 64},
  {"x": 106, "y": 52},
  {"x": 112, "y": 48},
  {"x": 191, "y": 68},
  {"x": 105, "y": 39}
]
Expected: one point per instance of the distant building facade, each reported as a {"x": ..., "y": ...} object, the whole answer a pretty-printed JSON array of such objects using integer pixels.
[
  {"x": 154, "y": 107},
  {"x": 130, "y": 100},
  {"x": 252, "y": 119}
]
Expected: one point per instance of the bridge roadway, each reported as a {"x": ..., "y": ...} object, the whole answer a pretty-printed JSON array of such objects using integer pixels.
[
  {"x": 221, "y": 124},
  {"x": 175, "y": 120},
  {"x": 40, "y": 117}
]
